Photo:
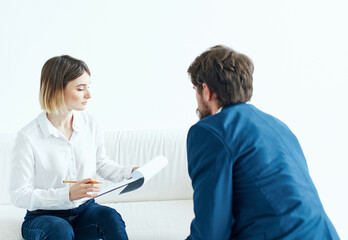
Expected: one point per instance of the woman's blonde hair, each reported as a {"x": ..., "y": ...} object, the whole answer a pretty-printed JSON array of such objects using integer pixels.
[{"x": 55, "y": 75}]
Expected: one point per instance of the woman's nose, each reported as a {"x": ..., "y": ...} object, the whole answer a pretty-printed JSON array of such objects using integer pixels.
[{"x": 88, "y": 94}]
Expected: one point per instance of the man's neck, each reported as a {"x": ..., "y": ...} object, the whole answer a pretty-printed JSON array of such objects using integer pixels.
[{"x": 214, "y": 107}]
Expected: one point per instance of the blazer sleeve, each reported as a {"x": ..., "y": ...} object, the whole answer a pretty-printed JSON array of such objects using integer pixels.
[{"x": 210, "y": 169}]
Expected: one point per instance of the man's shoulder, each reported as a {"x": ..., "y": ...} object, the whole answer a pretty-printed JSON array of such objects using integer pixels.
[
  {"x": 246, "y": 114},
  {"x": 201, "y": 125},
  {"x": 240, "y": 108},
  {"x": 206, "y": 129},
  {"x": 233, "y": 120}
]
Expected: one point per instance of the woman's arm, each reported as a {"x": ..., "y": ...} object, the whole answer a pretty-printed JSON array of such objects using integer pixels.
[
  {"x": 22, "y": 181},
  {"x": 109, "y": 169}
]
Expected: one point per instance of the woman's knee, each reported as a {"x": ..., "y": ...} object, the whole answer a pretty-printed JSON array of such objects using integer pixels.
[
  {"x": 112, "y": 223},
  {"x": 110, "y": 215},
  {"x": 47, "y": 227},
  {"x": 62, "y": 230}
]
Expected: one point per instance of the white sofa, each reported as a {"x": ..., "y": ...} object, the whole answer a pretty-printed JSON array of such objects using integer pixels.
[{"x": 162, "y": 209}]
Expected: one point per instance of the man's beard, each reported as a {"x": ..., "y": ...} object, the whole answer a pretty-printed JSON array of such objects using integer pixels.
[{"x": 204, "y": 112}]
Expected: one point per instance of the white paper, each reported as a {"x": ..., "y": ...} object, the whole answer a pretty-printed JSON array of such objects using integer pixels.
[{"x": 139, "y": 176}]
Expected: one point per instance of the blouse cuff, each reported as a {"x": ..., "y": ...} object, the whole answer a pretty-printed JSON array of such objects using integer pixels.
[
  {"x": 127, "y": 171},
  {"x": 63, "y": 196}
]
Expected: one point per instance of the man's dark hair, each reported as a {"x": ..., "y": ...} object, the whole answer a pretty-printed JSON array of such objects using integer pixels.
[{"x": 227, "y": 73}]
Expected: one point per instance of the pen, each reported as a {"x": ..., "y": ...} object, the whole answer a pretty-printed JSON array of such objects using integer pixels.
[{"x": 76, "y": 182}]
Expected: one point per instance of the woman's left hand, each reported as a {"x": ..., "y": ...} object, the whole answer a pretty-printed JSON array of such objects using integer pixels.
[{"x": 135, "y": 168}]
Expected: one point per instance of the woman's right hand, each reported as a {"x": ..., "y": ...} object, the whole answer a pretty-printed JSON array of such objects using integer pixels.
[{"x": 82, "y": 188}]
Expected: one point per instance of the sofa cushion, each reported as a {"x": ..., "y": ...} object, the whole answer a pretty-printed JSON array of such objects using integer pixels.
[{"x": 11, "y": 219}]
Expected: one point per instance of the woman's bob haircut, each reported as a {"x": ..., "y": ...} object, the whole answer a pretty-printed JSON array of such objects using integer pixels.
[{"x": 55, "y": 75}]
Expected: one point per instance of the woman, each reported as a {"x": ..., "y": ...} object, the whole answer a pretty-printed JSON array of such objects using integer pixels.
[{"x": 64, "y": 143}]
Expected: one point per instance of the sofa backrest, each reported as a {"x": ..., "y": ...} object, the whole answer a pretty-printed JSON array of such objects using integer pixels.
[
  {"x": 138, "y": 147},
  {"x": 6, "y": 145},
  {"x": 132, "y": 148}
]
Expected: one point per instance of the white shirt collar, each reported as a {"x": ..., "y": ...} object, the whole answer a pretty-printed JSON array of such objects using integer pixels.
[
  {"x": 48, "y": 129},
  {"x": 46, "y": 126},
  {"x": 76, "y": 121}
]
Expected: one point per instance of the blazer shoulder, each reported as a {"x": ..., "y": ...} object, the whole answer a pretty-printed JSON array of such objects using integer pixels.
[
  {"x": 201, "y": 127},
  {"x": 202, "y": 131}
]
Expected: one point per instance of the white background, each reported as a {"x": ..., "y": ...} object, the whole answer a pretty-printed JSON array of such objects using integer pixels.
[{"x": 139, "y": 51}]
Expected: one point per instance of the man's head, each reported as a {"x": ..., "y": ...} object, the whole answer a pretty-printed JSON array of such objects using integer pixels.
[{"x": 225, "y": 75}]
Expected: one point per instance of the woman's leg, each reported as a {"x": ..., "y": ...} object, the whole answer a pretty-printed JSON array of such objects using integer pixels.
[
  {"x": 98, "y": 221},
  {"x": 47, "y": 227}
]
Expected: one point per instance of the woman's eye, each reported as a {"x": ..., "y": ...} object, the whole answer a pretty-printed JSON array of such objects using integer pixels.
[{"x": 80, "y": 89}]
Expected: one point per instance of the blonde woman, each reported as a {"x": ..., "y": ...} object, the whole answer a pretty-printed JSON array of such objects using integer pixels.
[{"x": 64, "y": 143}]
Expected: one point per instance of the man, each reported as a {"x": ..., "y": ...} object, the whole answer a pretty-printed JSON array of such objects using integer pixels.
[{"x": 249, "y": 175}]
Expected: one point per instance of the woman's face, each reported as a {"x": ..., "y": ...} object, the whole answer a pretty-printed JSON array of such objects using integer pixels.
[{"x": 76, "y": 93}]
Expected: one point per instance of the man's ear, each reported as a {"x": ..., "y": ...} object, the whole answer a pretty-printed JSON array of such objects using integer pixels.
[{"x": 206, "y": 93}]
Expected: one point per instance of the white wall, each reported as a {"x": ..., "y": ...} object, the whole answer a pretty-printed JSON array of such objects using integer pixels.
[{"x": 139, "y": 51}]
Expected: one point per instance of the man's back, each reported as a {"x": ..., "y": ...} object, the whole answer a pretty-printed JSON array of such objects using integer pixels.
[{"x": 258, "y": 177}]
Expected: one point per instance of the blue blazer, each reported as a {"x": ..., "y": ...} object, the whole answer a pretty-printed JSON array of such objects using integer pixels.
[{"x": 251, "y": 180}]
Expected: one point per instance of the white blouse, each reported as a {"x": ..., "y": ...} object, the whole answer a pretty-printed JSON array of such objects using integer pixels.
[{"x": 43, "y": 158}]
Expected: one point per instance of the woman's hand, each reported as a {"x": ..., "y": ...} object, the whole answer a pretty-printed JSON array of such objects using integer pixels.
[
  {"x": 135, "y": 168},
  {"x": 81, "y": 188}
]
